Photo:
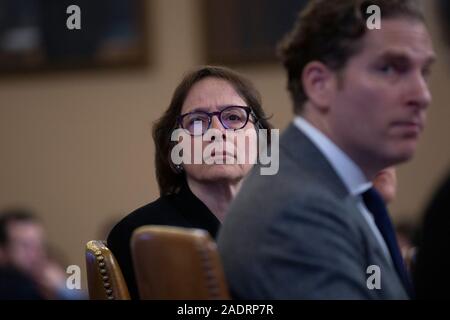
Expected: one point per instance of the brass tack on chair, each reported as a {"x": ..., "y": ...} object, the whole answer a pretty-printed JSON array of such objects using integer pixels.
[
  {"x": 105, "y": 278},
  {"x": 106, "y": 285},
  {"x": 109, "y": 292},
  {"x": 101, "y": 264},
  {"x": 110, "y": 298},
  {"x": 98, "y": 253},
  {"x": 100, "y": 258},
  {"x": 103, "y": 271}
]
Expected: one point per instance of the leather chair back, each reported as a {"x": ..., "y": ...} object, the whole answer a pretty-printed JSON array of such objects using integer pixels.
[
  {"x": 177, "y": 263},
  {"x": 105, "y": 279}
]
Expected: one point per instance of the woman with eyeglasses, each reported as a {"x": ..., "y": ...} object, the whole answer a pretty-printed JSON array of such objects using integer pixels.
[{"x": 197, "y": 195}]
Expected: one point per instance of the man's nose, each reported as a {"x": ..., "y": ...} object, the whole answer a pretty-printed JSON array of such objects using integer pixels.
[{"x": 420, "y": 96}]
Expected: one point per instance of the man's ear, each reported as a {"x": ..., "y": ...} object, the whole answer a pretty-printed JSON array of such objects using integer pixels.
[{"x": 319, "y": 83}]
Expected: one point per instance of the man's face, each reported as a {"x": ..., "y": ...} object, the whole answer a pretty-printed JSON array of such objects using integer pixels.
[
  {"x": 26, "y": 245},
  {"x": 379, "y": 107}
]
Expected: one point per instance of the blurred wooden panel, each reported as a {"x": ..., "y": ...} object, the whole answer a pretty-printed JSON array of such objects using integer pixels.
[
  {"x": 34, "y": 35},
  {"x": 246, "y": 31}
]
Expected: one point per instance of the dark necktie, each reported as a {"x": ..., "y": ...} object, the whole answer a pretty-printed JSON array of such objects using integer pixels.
[{"x": 377, "y": 207}]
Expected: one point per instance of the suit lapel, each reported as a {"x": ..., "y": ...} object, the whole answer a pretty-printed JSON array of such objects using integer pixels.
[
  {"x": 297, "y": 146},
  {"x": 300, "y": 149}
]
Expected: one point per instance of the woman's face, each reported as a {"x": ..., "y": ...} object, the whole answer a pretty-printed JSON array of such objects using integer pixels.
[{"x": 213, "y": 95}]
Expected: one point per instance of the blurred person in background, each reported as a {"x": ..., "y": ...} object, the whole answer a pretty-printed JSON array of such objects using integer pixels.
[
  {"x": 15, "y": 282},
  {"x": 433, "y": 263},
  {"x": 433, "y": 260},
  {"x": 25, "y": 261},
  {"x": 385, "y": 182}
]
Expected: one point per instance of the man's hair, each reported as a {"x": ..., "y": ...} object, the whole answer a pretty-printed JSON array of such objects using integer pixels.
[
  {"x": 9, "y": 216},
  {"x": 169, "y": 179},
  {"x": 331, "y": 32}
]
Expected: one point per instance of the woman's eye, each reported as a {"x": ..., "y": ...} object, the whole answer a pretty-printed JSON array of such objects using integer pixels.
[{"x": 233, "y": 117}]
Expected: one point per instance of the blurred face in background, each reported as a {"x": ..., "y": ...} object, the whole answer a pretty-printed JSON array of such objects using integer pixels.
[
  {"x": 386, "y": 183},
  {"x": 25, "y": 248}
]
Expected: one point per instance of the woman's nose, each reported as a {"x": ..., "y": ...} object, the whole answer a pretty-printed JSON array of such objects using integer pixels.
[{"x": 217, "y": 125}]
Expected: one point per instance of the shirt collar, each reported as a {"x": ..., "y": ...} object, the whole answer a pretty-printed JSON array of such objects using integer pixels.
[{"x": 349, "y": 172}]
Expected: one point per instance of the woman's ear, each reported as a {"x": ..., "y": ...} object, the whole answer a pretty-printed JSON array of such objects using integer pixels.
[{"x": 319, "y": 83}]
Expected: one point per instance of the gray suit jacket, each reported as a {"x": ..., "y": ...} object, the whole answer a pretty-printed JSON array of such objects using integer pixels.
[{"x": 299, "y": 234}]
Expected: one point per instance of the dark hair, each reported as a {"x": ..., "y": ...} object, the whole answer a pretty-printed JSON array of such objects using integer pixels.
[
  {"x": 169, "y": 179},
  {"x": 9, "y": 216},
  {"x": 331, "y": 32}
]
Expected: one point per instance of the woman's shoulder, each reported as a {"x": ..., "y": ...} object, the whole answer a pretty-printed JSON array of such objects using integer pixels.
[{"x": 161, "y": 211}]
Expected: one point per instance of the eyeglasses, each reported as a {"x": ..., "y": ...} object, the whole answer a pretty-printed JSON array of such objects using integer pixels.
[{"x": 231, "y": 117}]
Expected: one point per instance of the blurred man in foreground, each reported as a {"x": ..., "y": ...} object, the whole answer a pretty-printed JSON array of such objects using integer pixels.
[{"x": 318, "y": 229}]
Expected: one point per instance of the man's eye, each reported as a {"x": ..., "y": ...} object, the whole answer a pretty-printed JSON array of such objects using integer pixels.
[{"x": 386, "y": 69}]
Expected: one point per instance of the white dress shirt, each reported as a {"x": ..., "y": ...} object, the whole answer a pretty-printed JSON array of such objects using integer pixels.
[{"x": 352, "y": 176}]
